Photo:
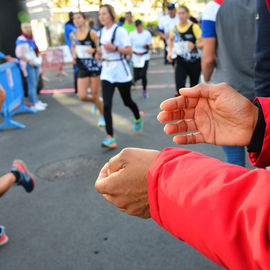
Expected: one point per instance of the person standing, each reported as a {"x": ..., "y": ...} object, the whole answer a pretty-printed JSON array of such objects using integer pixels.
[
  {"x": 228, "y": 52},
  {"x": 183, "y": 49},
  {"x": 69, "y": 28},
  {"x": 84, "y": 46},
  {"x": 141, "y": 41},
  {"x": 30, "y": 61},
  {"x": 115, "y": 44},
  {"x": 165, "y": 24}
]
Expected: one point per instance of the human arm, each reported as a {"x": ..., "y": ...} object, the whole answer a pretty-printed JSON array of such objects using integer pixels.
[
  {"x": 20, "y": 52},
  {"x": 122, "y": 181},
  {"x": 208, "y": 57},
  {"x": 111, "y": 47},
  {"x": 218, "y": 114},
  {"x": 222, "y": 210},
  {"x": 73, "y": 48}
]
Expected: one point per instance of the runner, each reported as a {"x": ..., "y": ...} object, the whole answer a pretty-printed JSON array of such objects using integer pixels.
[
  {"x": 115, "y": 43},
  {"x": 141, "y": 41},
  {"x": 84, "y": 47},
  {"x": 183, "y": 49}
]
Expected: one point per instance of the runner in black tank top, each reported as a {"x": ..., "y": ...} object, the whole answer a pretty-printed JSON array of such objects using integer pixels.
[
  {"x": 84, "y": 44},
  {"x": 182, "y": 43}
]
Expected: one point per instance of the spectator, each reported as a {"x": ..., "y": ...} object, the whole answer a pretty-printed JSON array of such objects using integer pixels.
[
  {"x": 30, "y": 61},
  {"x": 181, "y": 189},
  {"x": 69, "y": 28},
  {"x": 229, "y": 48},
  {"x": 165, "y": 24}
]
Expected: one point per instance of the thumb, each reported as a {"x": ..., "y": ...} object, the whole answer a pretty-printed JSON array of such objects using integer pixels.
[{"x": 200, "y": 90}]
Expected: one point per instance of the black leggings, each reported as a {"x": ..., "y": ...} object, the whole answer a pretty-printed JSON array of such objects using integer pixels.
[
  {"x": 140, "y": 73},
  {"x": 184, "y": 69},
  {"x": 107, "y": 92}
]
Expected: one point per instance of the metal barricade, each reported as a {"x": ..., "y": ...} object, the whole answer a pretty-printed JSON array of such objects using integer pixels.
[
  {"x": 53, "y": 59},
  {"x": 11, "y": 81}
]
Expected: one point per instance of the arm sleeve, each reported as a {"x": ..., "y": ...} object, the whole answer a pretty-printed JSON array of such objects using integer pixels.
[
  {"x": 262, "y": 158},
  {"x": 220, "y": 209},
  {"x": 209, "y": 20}
]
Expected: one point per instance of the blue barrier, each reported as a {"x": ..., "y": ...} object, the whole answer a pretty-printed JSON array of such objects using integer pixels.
[{"x": 11, "y": 81}]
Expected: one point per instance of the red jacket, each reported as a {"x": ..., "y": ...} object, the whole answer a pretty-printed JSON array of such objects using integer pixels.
[{"x": 220, "y": 209}]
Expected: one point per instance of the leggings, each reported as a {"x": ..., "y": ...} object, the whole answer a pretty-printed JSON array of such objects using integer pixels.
[
  {"x": 107, "y": 92},
  {"x": 140, "y": 73},
  {"x": 184, "y": 69}
]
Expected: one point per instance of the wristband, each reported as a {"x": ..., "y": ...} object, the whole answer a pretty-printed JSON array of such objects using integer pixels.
[{"x": 116, "y": 48}]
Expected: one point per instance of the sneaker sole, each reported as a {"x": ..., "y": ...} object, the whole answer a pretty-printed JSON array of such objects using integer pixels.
[
  {"x": 142, "y": 115},
  {"x": 109, "y": 146},
  {"x": 25, "y": 170}
]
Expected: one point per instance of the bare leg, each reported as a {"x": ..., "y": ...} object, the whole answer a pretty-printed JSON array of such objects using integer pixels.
[
  {"x": 95, "y": 87},
  {"x": 83, "y": 84},
  {"x": 2, "y": 97},
  {"x": 6, "y": 181}
]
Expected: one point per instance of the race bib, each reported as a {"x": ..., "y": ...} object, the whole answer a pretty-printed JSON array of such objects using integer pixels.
[
  {"x": 81, "y": 52},
  {"x": 138, "y": 60},
  {"x": 180, "y": 48}
]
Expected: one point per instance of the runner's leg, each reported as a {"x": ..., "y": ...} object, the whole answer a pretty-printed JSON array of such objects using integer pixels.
[
  {"x": 124, "y": 89},
  {"x": 95, "y": 87},
  {"x": 180, "y": 74},
  {"x": 107, "y": 93}
]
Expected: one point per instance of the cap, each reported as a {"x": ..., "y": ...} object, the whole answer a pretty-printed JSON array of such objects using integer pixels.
[
  {"x": 138, "y": 22},
  {"x": 171, "y": 6}
]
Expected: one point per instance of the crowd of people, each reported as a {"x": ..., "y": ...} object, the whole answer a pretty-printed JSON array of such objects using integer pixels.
[{"x": 179, "y": 188}]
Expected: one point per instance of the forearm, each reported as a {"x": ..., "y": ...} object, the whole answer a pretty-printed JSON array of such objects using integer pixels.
[
  {"x": 208, "y": 66},
  {"x": 170, "y": 46},
  {"x": 220, "y": 209},
  {"x": 126, "y": 50},
  {"x": 162, "y": 35}
]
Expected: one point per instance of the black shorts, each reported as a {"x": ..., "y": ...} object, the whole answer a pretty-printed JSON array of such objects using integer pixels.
[{"x": 83, "y": 73}]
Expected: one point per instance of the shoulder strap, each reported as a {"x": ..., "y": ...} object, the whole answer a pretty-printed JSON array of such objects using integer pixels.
[{"x": 114, "y": 34}]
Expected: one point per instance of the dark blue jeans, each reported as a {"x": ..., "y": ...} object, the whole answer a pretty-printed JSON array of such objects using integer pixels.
[
  {"x": 32, "y": 83},
  {"x": 235, "y": 155}
]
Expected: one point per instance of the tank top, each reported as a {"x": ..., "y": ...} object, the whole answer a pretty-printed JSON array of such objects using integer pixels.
[
  {"x": 190, "y": 56},
  {"x": 84, "y": 60}
]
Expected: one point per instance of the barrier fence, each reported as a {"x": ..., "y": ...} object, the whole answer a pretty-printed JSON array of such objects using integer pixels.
[
  {"x": 11, "y": 81},
  {"x": 53, "y": 59}
]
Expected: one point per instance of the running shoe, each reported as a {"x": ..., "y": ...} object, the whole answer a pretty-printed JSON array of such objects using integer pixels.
[
  {"x": 138, "y": 123},
  {"x": 23, "y": 176},
  {"x": 109, "y": 142},
  {"x": 101, "y": 122},
  {"x": 144, "y": 94},
  {"x": 94, "y": 109},
  {"x": 3, "y": 236}
]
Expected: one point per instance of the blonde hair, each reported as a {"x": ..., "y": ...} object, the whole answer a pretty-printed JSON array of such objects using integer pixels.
[{"x": 111, "y": 11}]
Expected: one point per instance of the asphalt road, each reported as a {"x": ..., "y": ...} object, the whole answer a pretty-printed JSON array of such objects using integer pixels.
[{"x": 64, "y": 223}]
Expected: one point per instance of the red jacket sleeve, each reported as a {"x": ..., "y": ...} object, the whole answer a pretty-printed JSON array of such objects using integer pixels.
[
  {"x": 220, "y": 209},
  {"x": 262, "y": 159}
]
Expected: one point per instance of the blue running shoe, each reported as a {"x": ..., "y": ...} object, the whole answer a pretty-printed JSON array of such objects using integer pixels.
[
  {"x": 101, "y": 122},
  {"x": 23, "y": 176},
  {"x": 3, "y": 236},
  {"x": 138, "y": 123},
  {"x": 109, "y": 142}
]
